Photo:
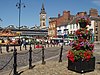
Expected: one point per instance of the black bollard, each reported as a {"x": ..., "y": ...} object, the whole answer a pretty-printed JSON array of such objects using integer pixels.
[
  {"x": 43, "y": 62},
  {"x": 20, "y": 43},
  {"x": 48, "y": 44},
  {"x": 30, "y": 57},
  {"x": 7, "y": 48},
  {"x": 51, "y": 45},
  {"x": 15, "y": 62},
  {"x": 20, "y": 47},
  {"x": 34, "y": 45},
  {"x": 60, "y": 59},
  {"x": 45, "y": 45},
  {"x": 54, "y": 44}
]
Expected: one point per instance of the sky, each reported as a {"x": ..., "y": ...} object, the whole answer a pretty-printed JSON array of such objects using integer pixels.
[{"x": 30, "y": 14}]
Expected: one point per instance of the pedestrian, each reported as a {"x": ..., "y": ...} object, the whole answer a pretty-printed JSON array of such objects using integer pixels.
[{"x": 24, "y": 44}]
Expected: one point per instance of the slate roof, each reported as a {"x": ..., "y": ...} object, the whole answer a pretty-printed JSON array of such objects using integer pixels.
[{"x": 95, "y": 18}]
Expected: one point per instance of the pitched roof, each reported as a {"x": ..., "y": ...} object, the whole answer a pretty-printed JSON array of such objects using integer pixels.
[{"x": 95, "y": 18}]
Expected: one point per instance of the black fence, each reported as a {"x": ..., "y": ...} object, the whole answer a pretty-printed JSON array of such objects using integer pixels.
[{"x": 29, "y": 53}]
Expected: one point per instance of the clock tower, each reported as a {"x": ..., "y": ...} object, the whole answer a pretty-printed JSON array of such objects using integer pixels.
[{"x": 42, "y": 17}]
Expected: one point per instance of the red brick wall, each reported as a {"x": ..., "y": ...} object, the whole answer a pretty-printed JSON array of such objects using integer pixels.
[
  {"x": 81, "y": 14},
  {"x": 93, "y": 12},
  {"x": 53, "y": 28},
  {"x": 65, "y": 17}
]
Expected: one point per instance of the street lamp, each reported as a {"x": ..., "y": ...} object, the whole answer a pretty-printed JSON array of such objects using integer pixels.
[
  {"x": 0, "y": 19},
  {"x": 19, "y": 5}
]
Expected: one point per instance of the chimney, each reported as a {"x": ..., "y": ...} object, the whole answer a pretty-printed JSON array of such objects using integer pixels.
[
  {"x": 80, "y": 14},
  {"x": 93, "y": 12},
  {"x": 58, "y": 15}
]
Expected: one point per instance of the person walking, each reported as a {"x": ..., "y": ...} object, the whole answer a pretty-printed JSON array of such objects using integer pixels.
[{"x": 24, "y": 44}]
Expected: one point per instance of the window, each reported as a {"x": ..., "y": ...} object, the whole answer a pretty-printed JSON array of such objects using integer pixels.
[
  {"x": 65, "y": 26},
  {"x": 96, "y": 24},
  {"x": 71, "y": 32},
  {"x": 65, "y": 29},
  {"x": 54, "y": 25},
  {"x": 43, "y": 23},
  {"x": 73, "y": 26},
  {"x": 59, "y": 27},
  {"x": 96, "y": 38},
  {"x": 70, "y": 26},
  {"x": 43, "y": 19},
  {"x": 96, "y": 30},
  {"x": 59, "y": 32}
]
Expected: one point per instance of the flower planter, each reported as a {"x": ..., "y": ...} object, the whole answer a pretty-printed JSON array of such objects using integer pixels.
[{"x": 82, "y": 66}]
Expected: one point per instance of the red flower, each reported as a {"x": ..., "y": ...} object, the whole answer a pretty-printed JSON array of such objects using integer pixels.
[
  {"x": 87, "y": 55},
  {"x": 80, "y": 40},
  {"x": 78, "y": 32},
  {"x": 72, "y": 59},
  {"x": 70, "y": 56},
  {"x": 81, "y": 54},
  {"x": 91, "y": 45},
  {"x": 81, "y": 47},
  {"x": 86, "y": 31},
  {"x": 77, "y": 47}
]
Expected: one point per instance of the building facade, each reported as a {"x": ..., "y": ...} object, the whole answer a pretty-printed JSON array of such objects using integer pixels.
[
  {"x": 66, "y": 24},
  {"x": 95, "y": 21},
  {"x": 52, "y": 30},
  {"x": 54, "y": 23},
  {"x": 28, "y": 32}
]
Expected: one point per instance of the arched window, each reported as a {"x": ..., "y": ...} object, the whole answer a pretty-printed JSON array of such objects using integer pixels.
[{"x": 43, "y": 23}]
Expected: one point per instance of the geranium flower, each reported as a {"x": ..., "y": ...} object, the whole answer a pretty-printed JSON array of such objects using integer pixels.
[
  {"x": 81, "y": 47},
  {"x": 87, "y": 55},
  {"x": 70, "y": 56}
]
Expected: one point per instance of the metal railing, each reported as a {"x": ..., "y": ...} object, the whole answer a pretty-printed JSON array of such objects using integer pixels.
[{"x": 31, "y": 52}]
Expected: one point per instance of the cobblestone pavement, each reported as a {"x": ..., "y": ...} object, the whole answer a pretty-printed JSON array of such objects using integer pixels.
[
  {"x": 55, "y": 68},
  {"x": 23, "y": 57},
  {"x": 52, "y": 67}
]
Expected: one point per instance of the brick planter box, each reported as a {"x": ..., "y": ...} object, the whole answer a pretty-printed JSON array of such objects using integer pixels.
[{"x": 82, "y": 66}]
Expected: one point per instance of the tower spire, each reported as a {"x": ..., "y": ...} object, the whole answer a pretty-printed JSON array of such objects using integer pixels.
[
  {"x": 42, "y": 9},
  {"x": 43, "y": 6}
]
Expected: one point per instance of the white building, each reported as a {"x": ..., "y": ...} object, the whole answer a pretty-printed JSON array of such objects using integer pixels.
[{"x": 71, "y": 28}]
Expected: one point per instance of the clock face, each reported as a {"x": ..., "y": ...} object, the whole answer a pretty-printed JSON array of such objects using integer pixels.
[{"x": 43, "y": 16}]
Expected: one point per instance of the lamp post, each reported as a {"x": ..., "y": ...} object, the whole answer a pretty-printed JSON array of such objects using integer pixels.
[
  {"x": 19, "y": 5},
  {"x": 0, "y": 19}
]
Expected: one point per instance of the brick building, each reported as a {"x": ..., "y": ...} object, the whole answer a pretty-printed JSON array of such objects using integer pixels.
[
  {"x": 52, "y": 27},
  {"x": 68, "y": 22},
  {"x": 57, "y": 21},
  {"x": 95, "y": 22},
  {"x": 95, "y": 19}
]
